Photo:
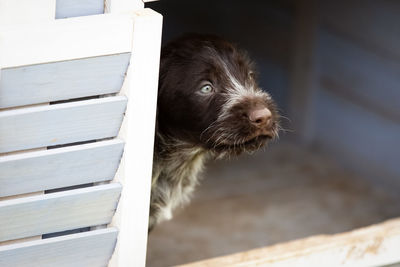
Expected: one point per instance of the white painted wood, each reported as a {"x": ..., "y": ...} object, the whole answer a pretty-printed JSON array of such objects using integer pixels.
[
  {"x": 61, "y": 167},
  {"x": 26, "y": 128},
  {"x": 14, "y": 12},
  {"x": 361, "y": 75},
  {"x": 122, "y": 6},
  {"x": 136, "y": 167},
  {"x": 66, "y": 210},
  {"x": 376, "y": 245},
  {"x": 65, "y": 39},
  {"x": 86, "y": 249},
  {"x": 62, "y": 80},
  {"x": 76, "y": 8}
]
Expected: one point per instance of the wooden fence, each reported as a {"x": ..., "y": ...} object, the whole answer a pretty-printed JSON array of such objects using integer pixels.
[{"x": 78, "y": 89}]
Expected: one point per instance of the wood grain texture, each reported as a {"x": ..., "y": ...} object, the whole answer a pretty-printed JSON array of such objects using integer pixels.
[
  {"x": 375, "y": 245},
  {"x": 29, "y": 216},
  {"x": 62, "y": 80},
  {"x": 33, "y": 127},
  {"x": 92, "y": 248},
  {"x": 364, "y": 77},
  {"x": 65, "y": 39},
  {"x": 76, "y": 8},
  {"x": 61, "y": 167}
]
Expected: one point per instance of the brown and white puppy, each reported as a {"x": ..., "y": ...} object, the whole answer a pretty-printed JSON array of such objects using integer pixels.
[{"x": 209, "y": 105}]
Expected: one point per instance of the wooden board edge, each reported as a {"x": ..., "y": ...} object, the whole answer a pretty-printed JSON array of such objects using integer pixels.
[
  {"x": 110, "y": 230},
  {"x": 374, "y": 245},
  {"x": 41, "y": 153},
  {"x": 61, "y": 194}
]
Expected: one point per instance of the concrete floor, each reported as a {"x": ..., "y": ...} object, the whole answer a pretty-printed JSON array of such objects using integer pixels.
[{"x": 279, "y": 195}]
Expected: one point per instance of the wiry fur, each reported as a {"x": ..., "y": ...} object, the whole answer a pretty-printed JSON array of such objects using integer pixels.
[{"x": 193, "y": 126}]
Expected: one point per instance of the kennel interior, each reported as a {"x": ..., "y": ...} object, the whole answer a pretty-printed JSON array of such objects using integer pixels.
[{"x": 334, "y": 69}]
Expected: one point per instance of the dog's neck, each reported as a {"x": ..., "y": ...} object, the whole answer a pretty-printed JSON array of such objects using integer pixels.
[
  {"x": 176, "y": 167},
  {"x": 179, "y": 160}
]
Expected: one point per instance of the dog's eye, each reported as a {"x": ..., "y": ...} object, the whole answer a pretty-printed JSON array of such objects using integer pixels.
[{"x": 206, "y": 89}]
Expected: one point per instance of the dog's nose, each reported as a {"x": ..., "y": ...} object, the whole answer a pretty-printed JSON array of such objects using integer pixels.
[{"x": 260, "y": 116}]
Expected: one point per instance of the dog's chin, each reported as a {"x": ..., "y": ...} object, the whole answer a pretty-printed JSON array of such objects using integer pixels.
[{"x": 235, "y": 148}]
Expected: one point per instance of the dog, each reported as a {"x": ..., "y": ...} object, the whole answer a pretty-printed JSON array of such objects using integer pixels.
[{"x": 209, "y": 106}]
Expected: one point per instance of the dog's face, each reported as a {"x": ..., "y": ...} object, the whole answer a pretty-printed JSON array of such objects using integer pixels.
[{"x": 208, "y": 96}]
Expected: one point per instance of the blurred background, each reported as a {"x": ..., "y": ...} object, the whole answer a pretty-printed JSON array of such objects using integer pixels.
[{"x": 334, "y": 69}]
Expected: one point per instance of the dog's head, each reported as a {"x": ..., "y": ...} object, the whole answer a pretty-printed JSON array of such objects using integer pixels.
[{"x": 209, "y": 97}]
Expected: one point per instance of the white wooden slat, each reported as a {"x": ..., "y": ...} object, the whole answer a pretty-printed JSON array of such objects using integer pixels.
[
  {"x": 71, "y": 122},
  {"x": 65, "y": 39},
  {"x": 76, "y": 8},
  {"x": 136, "y": 166},
  {"x": 55, "y": 212},
  {"x": 86, "y": 249},
  {"x": 62, "y": 80},
  {"x": 363, "y": 75},
  {"x": 55, "y": 168},
  {"x": 11, "y": 11}
]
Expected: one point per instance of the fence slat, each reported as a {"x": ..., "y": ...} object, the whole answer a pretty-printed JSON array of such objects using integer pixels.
[
  {"x": 29, "y": 216},
  {"x": 34, "y": 127},
  {"x": 76, "y": 8},
  {"x": 61, "y": 167},
  {"x": 62, "y": 80},
  {"x": 92, "y": 248}
]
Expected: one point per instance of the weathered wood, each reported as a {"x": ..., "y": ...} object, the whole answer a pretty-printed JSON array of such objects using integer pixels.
[
  {"x": 61, "y": 124},
  {"x": 136, "y": 167},
  {"x": 62, "y": 80},
  {"x": 29, "y": 216},
  {"x": 359, "y": 75},
  {"x": 376, "y": 245},
  {"x": 61, "y": 167},
  {"x": 76, "y": 8},
  {"x": 92, "y": 248},
  {"x": 65, "y": 39}
]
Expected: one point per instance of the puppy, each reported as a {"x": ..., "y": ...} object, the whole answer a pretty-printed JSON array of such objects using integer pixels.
[{"x": 209, "y": 106}]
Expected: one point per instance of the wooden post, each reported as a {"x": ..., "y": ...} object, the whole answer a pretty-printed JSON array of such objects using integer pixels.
[{"x": 137, "y": 130}]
